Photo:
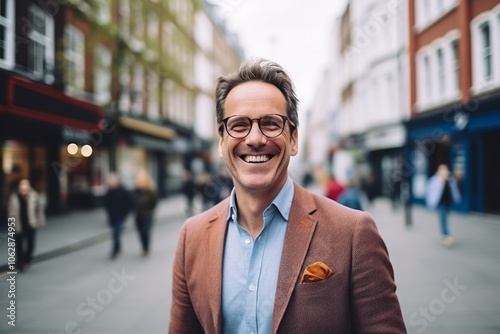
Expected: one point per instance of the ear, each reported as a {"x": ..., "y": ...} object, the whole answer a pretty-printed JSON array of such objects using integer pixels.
[{"x": 294, "y": 142}]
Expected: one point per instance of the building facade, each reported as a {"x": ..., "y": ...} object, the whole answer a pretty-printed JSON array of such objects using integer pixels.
[
  {"x": 367, "y": 92},
  {"x": 38, "y": 119},
  {"x": 455, "y": 98}
]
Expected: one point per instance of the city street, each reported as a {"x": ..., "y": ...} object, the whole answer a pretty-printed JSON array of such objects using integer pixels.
[
  {"x": 85, "y": 292},
  {"x": 441, "y": 290}
]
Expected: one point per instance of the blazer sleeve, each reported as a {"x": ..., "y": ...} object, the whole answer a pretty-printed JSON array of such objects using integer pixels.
[
  {"x": 374, "y": 304},
  {"x": 183, "y": 318}
]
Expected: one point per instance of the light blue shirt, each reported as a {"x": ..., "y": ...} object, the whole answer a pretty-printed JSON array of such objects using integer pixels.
[{"x": 250, "y": 269}]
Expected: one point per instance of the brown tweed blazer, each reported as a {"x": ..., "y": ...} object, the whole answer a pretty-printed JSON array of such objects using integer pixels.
[{"x": 359, "y": 296}]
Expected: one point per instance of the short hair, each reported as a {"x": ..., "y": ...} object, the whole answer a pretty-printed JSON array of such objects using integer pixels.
[{"x": 257, "y": 69}]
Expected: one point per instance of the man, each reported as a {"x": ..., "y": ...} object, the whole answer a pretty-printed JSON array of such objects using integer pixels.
[
  {"x": 118, "y": 203},
  {"x": 274, "y": 257},
  {"x": 27, "y": 210}
]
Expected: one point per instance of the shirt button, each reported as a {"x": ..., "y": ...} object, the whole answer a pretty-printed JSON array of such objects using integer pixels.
[
  {"x": 251, "y": 287},
  {"x": 247, "y": 241}
]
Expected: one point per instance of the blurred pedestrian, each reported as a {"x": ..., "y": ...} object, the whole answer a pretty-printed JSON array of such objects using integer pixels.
[
  {"x": 28, "y": 212},
  {"x": 395, "y": 190},
  {"x": 146, "y": 200},
  {"x": 189, "y": 191},
  {"x": 333, "y": 188},
  {"x": 441, "y": 193},
  {"x": 118, "y": 203},
  {"x": 351, "y": 196},
  {"x": 369, "y": 187}
]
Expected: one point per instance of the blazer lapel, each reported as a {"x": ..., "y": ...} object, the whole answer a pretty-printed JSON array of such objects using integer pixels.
[
  {"x": 301, "y": 226},
  {"x": 216, "y": 233}
]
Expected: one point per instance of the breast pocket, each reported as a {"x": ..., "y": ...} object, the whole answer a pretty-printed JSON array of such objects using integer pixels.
[{"x": 324, "y": 288}]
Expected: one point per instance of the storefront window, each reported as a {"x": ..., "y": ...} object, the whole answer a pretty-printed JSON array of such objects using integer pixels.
[
  {"x": 21, "y": 161},
  {"x": 458, "y": 164},
  {"x": 74, "y": 179}
]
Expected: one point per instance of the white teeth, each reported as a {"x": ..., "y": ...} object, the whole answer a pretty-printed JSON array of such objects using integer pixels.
[{"x": 256, "y": 158}]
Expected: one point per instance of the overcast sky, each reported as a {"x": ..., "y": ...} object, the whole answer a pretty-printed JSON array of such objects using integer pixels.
[{"x": 293, "y": 33}]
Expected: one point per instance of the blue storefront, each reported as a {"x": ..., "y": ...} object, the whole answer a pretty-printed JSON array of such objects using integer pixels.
[{"x": 467, "y": 139}]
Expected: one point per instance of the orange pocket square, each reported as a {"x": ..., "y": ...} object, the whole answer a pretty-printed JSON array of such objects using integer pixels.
[{"x": 316, "y": 272}]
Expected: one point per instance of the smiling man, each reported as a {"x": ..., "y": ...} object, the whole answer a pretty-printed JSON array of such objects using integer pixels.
[{"x": 274, "y": 257}]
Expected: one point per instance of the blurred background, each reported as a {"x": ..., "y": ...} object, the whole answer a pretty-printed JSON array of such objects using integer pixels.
[{"x": 388, "y": 90}]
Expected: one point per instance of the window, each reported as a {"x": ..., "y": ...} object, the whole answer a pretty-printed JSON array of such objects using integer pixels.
[
  {"x": 438, "y": 71},
  {"x": 74, "y": 60},
  {"x": 486, "y": 51},
  {"x": 441, "y": 72},
  {"x": 102, "y": 75},
  {"x": 153, "y": 86},
  {"x": 485, "y": 42},
  {"x": 428, "y": 78},
  {"x": 430, "y": 11},
  {"x": 137, "y": 90},
  {"x": 455, "y": 61},
  {"x": 7, "y": 33},
  {"x": 40, "y": 44},
  {"x": 124, "y": 94}
]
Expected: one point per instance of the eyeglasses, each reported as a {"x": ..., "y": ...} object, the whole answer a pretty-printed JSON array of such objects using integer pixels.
[{"x": 270, "y": 126}]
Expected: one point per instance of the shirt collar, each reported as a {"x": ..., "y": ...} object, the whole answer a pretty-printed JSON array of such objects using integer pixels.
[{"x": 282, "y": 202}]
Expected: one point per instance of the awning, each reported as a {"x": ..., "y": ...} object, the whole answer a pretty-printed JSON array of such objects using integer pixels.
[{"x": 147, "y": 128}]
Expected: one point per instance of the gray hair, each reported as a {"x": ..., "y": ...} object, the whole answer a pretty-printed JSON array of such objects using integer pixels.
[{"x": 257, "y": 69}]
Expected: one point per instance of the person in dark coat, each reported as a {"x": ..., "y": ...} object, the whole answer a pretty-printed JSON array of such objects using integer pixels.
[
  {"x": 145, "y": 200},
  {"x": 118, "y": 203}
]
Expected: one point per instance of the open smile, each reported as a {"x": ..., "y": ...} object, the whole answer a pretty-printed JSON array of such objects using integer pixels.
[{"x": 257, "y": 158}]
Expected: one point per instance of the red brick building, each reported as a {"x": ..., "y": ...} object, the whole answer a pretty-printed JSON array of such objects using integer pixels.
[{"x": 454, "y": 52}]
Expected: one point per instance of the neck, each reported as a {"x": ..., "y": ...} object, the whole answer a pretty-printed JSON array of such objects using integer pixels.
[{"x": 251, "y": 206}]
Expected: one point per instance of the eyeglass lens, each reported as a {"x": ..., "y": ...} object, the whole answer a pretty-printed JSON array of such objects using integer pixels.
[{"x": 270, "y": 125}]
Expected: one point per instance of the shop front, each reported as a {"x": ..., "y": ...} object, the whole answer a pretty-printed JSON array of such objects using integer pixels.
[
  {"x": 143, "y": 145},
  {"x": 465, "y": 139},
  {"x": 51, "y": 139},
  {"x": 384, "y": 149}
]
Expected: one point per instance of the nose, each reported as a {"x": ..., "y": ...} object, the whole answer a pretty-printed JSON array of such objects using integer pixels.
[{"x": 255, "y": 137}]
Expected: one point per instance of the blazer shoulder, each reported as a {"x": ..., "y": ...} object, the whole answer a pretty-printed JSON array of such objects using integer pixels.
[
  {"x": 327, "y": 211},
  {"x": 217, "y": 213}
]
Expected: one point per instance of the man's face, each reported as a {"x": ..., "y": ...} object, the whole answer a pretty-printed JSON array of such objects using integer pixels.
[{"x": 257, "y": 163}]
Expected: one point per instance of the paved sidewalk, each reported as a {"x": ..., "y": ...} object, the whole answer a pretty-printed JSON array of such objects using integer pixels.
[
  {"x": 444, "y": 290},
  {"x": 77, "y": 229}
]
